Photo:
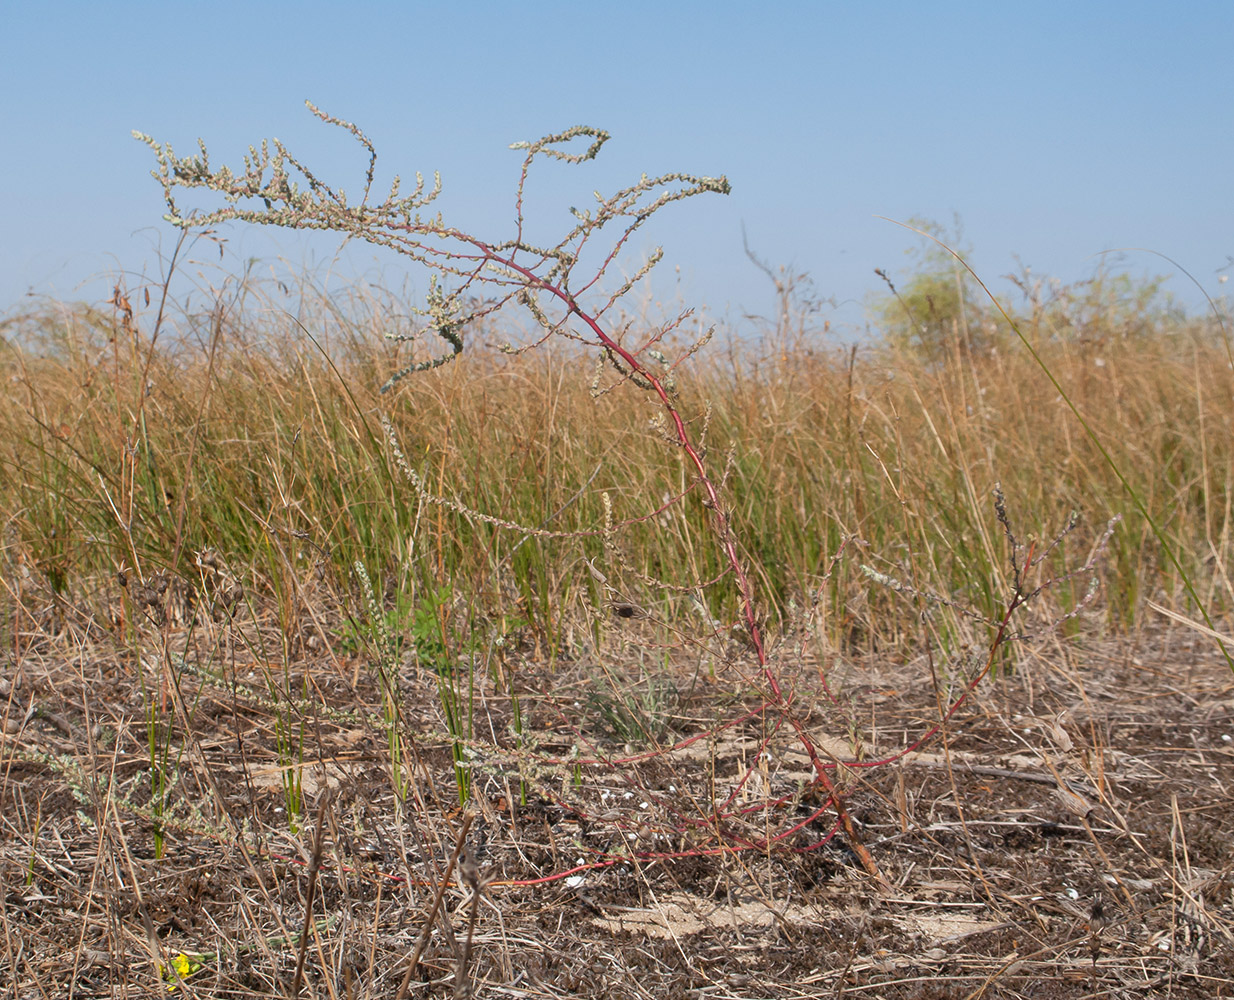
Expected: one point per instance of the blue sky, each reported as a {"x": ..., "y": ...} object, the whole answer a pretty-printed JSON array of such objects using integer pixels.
[{"x": 1052, "y": 131}]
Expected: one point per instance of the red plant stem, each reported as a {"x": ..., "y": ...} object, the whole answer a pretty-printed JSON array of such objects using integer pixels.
[
  {"x": 723, "y": 531},
  {"x": 722, "y": 528}
]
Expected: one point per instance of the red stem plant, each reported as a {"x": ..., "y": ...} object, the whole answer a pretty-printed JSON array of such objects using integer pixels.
[{"x": 275, "y": 189}]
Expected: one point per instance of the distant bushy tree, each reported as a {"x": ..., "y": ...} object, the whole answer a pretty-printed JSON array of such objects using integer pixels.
[
  {"x": 936, "y": 310},
  {"x": 1110, "y": 304}
]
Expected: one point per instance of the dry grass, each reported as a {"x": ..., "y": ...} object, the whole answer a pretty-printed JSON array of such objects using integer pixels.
[{"x": 235, "y": 432}]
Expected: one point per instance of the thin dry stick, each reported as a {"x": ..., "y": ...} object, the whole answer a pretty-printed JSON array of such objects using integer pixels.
[
  {"x": 314, "y": 868},
  {"x": 471, "y": 875},
  {"x": 459, "y": 841}
]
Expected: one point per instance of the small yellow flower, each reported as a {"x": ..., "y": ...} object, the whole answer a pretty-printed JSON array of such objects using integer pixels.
[{"x": 183, "y": 966}]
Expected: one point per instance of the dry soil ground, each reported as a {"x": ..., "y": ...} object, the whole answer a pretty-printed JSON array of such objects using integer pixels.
[{"x": 1069, "y": 835}]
